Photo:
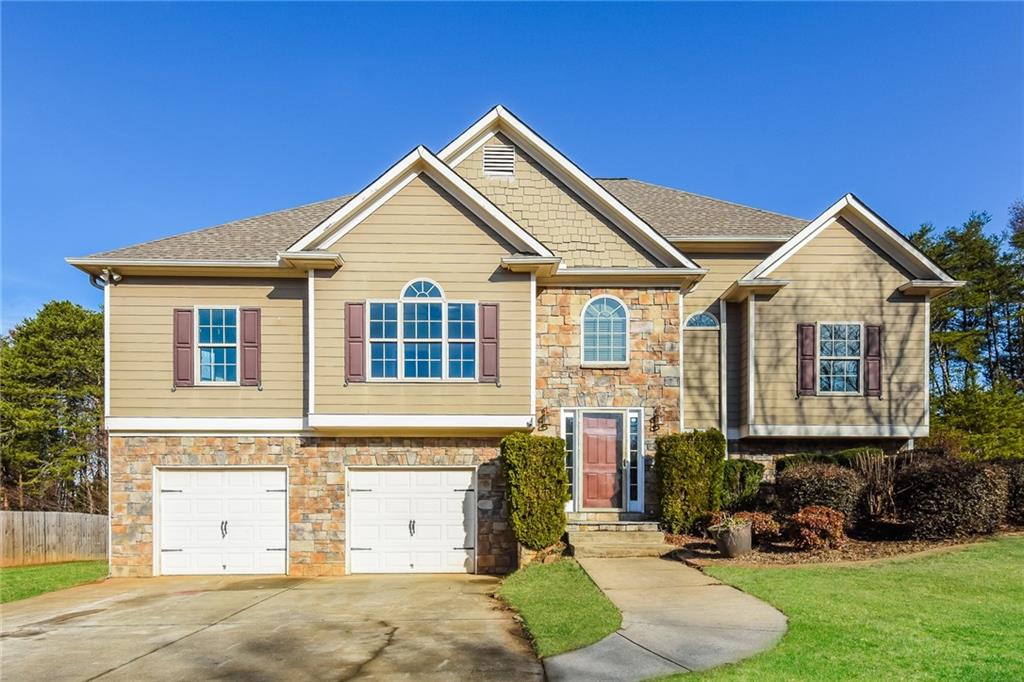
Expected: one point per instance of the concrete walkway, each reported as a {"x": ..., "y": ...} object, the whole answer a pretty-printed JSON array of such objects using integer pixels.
[{"x": 675, "y": 619}]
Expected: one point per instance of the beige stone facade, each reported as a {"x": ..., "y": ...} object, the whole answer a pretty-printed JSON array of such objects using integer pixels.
[
  {"x": 316, "y": 485},
  {"x": 651, "y": 379}
]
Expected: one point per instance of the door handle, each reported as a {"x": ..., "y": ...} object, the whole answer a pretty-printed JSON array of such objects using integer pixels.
[
  {"x": 414, "y": 526},
  {"x": 410, "y": 527},
  {"x": 223, "y": 529}
]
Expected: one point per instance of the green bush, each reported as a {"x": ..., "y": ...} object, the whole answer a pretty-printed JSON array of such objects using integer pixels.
[
  {"x": 688, "y": 468},
  {"x": 1014, "y": 469},
  {"x": 538, "y": 488},
  {"x": 949, "y": 497},
  {"x": 741, "y": 479},
  {"x": 800, "y": 459},
  {"x": 825, "y": 485}
]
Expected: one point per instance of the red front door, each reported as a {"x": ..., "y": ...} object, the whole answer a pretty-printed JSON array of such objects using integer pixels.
[{"x": 602, "y": 454}]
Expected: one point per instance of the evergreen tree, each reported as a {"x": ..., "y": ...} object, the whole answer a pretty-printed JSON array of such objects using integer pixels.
[{"x": 51, "y": 443}]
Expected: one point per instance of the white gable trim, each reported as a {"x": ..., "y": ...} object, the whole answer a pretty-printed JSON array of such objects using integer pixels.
[
  {"x": 419, "y": 160},
  {"x": 567, "y": 172},
  {"x": 870, "y": 225}
]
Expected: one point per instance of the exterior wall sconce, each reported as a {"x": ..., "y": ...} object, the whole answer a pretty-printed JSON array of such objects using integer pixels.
[
  {"x": 657, "y": 419},
  {"x": 543, "y": 421}
]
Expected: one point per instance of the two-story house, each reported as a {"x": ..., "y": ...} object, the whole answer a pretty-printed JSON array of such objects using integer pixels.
[{"x": 323, "y": 389}]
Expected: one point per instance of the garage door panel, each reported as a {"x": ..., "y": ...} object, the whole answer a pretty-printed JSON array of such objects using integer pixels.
[
  {"x": 222, "y": 521},
  {"x": 383, "y": 502}
]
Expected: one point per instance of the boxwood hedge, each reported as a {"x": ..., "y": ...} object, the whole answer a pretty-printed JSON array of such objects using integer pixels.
[
  {"x": 948, "y": 497},
  {"x": 688, "y": 468},
  {"x": 538, "y": 488}
]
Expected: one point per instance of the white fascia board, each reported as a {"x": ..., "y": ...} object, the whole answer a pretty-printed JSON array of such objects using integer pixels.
[
  {"x": 878, "y": 231},
  {"x": 420, "y": 160},
  {"x": 200, "y": 424},
  {"x": 420, "y": 421},
  {"x": 833, "y": 431},
  {"x": 571, "y": 174},
  {"x": 154, "y": 262}
]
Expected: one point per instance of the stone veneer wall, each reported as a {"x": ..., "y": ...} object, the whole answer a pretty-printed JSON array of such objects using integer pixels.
[
  {"x": 316, "y": 484},
  {"x": 651, "y": 379}
]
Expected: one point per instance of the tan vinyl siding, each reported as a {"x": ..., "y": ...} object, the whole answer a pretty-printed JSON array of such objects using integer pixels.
[
  {"x": 702, "y": 404},
  {"x": 141, "y": 326},
  {"x": 422, "y": 232},
  {"x": 702, "y": 392},
  {"x": 553, "y": 213},
  {"x": 841, "y": 277}
]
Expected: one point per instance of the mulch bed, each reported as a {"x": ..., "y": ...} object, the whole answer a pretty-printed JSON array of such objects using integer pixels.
[{"x": 701, "y": 552}]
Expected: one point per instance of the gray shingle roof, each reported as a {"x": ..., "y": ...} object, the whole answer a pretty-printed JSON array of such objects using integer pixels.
[
  {"x": 251, "y": 239},
  {"x": 683, "y": 215},
  {"x": 674, "y": 213}
]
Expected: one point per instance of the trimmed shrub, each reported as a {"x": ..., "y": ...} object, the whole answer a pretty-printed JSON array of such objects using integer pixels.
[
  {"x": 948, "y": 497},
  {"x": 825, "y": 485},
  {"x": 1014, "y": 469},
  {"x": 763, "y": 527},
  {"x": 741, "y": 479},
  {"x": 800, "y": 459},
  {"x": 688, "y": 468},
  {"x": 817, "y": 527},
  {"x": 538, "y": 488}
]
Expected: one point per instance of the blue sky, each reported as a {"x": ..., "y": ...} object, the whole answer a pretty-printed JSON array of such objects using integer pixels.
[{"x": 127, "y": 122}]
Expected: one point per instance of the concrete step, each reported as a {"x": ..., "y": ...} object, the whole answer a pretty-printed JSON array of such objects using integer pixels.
[
  {"x": 622, "y": 550},
  {"x": 614, "y": 536},
  {"x": 607, "y": 516},
  {"x": 611, "y": 526}
]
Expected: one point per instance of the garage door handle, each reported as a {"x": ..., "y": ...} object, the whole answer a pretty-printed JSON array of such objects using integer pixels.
[
  {"x": 275, "y": 549},
  {"x": 360, "y": 490},
  {"x": 277, "y": 490},
  {"x": 463, "y": 547},
  {"x": 360, "y": 549},
  {"x": 172, "y": 550},
  {"x": 463, "y": 490},
  {"x": 167, "y": 490}
]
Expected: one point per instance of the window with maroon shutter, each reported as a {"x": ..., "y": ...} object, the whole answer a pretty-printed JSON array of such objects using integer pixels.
[
  {"x": 873, "y": 360},
  {"x": 489, "y": 344},
  {"x": 250, "y": 343},
  {"x": 183, "y": 353},
  {"x": 355, "y": 343},
  {"x": 806, "y": 365}
]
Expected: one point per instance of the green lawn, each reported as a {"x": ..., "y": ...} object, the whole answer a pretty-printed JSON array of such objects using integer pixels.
[
  {"x": 953, "y": 616},
  {"x": 28, "y": 581},
  {"x": 561, "y": 606}
]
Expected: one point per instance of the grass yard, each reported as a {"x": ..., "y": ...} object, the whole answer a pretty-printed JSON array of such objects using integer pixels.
[
  {"x": 957, "y": 615},
  {"x": 22, "y": 582},
  {"x": 561, "y": 606}
]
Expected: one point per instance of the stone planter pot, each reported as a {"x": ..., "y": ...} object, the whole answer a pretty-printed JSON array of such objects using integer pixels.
[{"x": 732, "y": 541}]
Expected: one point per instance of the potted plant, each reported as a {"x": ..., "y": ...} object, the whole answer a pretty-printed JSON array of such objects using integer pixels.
[{"x": 732, "y": 536}]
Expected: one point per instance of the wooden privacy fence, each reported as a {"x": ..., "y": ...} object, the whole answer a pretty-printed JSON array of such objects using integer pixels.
[{"x": 49, "y": 537}]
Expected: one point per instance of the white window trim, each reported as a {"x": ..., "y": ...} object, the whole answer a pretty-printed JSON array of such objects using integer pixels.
[
  {"x": 718, "y": 323},
  {"x": 576, "y": 503},
  {"x": 818, "y": 359},
  {"x": 237, "y": 345},
  {"x": 615, "y": 364},
  {"x": 400, "y": 341}
]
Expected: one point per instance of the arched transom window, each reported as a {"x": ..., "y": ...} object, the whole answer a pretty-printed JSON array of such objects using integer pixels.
[
  {"x": 704, "y": 320},
  {"x": 605, "y": 331},
  {"x": 423, "y": 336}
]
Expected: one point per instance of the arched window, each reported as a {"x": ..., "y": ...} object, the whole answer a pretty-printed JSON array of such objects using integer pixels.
[
  {"x": 422, "y": 335},
  {"x": 605, "y": 331},
  {"x": 704, "y": 320}
]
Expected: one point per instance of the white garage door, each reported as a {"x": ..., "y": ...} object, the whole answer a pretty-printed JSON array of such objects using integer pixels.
[
  {"x": 222, "y": 521},
  {"x": 412, "y": 521}
]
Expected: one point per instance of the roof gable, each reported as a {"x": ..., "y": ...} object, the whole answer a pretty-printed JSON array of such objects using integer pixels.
[
  {"x": 868, "y": 223},
  {"x": 418, "y": 161},
  {"x": 568, "y": 173}
]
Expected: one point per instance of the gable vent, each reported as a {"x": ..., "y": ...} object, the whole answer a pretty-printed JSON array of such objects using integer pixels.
[{"x": 500, "y": 160}]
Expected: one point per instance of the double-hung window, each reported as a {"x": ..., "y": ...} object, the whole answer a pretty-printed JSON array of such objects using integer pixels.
[
  {"x": 839, "y": 357},
  {"x": 217, "y": 341},
  {"x": 422, "y": 336}
]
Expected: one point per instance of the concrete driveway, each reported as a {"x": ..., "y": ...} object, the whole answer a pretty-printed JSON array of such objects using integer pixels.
[{"x": 275, "y": 628}]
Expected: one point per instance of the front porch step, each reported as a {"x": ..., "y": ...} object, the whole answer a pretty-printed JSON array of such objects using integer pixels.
[
  {"x": 607, "y": 516},
  {"x": 621, "y": 550},
  {"x": 591, "y": 537},
  {"x": 613, "y": 526}
]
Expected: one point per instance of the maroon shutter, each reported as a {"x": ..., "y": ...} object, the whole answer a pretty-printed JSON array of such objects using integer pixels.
[
  {"x": 184, "y": 364},
  {"x": 806, "y": 367},
  {"x": 489, "y": 343},
  {"x": 873, "y": 360},
  {"x": 355, "y": 343},
  {"x": 250, "y": 331}
]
